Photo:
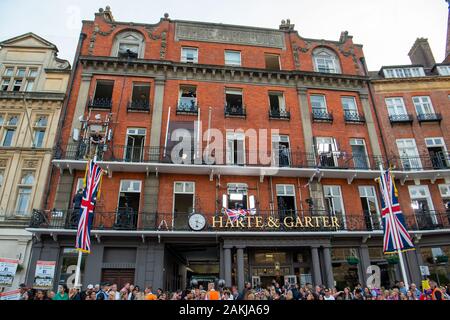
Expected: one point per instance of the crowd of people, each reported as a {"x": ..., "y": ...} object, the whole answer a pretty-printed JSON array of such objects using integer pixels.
[{"x": 109, "y": 291}]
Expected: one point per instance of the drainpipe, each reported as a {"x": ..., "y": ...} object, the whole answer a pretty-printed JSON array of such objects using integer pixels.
[
  {"x": 63, "y": 113},
  {"x": 370, "y": 88}
]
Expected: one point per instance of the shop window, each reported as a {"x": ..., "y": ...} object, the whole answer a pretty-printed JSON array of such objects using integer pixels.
[{"x": 69, "y": 259}]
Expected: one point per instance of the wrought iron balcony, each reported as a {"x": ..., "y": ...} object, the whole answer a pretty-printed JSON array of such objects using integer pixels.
[
  {"x": 401, "y": 118},
  {"x": 187, "y": 109},
  {"x": 354, "y": 117},
  {"x": 138, "y": 105},
  {"x": 287, "y": 220},
  {"x": 437, "y": 161},
  {"x": 429, "y": 117},
  {"x": 235, "y": 111},
  {"x": 100, "y": 103},
  {"x": 279, "y": 114},
  {"x": 322, "y": 116}
]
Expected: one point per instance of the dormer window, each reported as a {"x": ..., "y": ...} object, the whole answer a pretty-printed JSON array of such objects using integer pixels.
[
  {"x": 129, "y": 45},
  {"x": 326, "y": 61},
  {"x": 444, "y": 70},
  {"x": 409, "y": 72}
]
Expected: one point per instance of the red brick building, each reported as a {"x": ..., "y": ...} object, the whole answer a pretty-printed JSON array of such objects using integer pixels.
[{"x": 136, "y": 86}]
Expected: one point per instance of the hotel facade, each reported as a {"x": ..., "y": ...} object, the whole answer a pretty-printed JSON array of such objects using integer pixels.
[
  {"x": 33, "y": 85},
  {"x": 310, "y": 204}
]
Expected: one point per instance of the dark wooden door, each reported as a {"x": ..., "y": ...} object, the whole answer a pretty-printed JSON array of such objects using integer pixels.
[{"x": 118, "y": 276}]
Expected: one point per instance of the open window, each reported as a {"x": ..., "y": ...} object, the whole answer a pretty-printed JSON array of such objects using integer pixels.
[
  {"x": 129, "y": 45},
  {"x": 134, "y": 151},
  {"x": 272, "y": 61},
  {"x": 438, "y": 153},
  {"x": 140, "y": 99},
  {"x": 235, "y": 148},
  {"x": 103, "y": 94},
  {"x": 236, "y": 197},
  {"x": 183, "y": 204},
  {"x": 281, "y": 150},
  {"x": 187, "y": 100},
  {"x": 128, "y": 204},
  {"x": 286, "y": 200},
  {"x": 327, "y": 151},
  {"x": 234, "y": 103}
]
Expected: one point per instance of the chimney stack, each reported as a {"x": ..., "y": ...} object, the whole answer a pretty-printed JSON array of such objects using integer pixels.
[{"x": 421, "y": 53}]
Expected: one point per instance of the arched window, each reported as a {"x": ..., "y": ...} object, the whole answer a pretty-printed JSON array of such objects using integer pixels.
[
  {"x": 128, "y": 44},
  {"x": 325, "y": 60}
]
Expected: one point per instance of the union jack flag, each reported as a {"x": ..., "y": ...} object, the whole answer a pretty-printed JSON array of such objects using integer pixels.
[
  {"x": 396, "y": 237},
  {"x": 235, "y": 214},
  {"x": 91, "y": 189}
]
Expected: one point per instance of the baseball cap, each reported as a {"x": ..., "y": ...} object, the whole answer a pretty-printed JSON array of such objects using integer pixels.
[{"x": 90, "y": 287}]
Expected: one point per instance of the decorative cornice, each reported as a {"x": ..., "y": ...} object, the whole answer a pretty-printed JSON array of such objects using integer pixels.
[{"x": 201, "y": 72}]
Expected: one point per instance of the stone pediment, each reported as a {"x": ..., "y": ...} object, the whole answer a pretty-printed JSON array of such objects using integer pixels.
[{"x": 28, "y": 40}]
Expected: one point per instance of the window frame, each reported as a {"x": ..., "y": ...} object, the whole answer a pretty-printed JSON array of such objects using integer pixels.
[
  {"x": 232, "y": 52},
  {"x": 183, "y": 56}
]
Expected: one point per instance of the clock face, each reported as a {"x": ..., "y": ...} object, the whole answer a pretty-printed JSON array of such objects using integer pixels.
[{"x": 197, "y": 222}]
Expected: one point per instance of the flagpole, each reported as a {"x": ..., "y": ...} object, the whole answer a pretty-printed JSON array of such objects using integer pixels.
[
  {"x": 393, "y": 225},
  {"x": 78, "y": 270}
]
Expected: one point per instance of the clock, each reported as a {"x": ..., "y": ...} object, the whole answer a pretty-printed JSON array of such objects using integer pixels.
[{"x": 197, "y": 222}]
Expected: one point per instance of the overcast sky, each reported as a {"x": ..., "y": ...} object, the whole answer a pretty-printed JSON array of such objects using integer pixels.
[{"x": 386, "y": 28}]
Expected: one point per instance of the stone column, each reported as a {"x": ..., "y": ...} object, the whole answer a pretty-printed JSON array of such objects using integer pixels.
[
  {"x": 317, "y": 276},
  {"x": 80, "y": 107},
  {"x": 371, "y": 127},
  {"x": 155, "y": 134},
  {"x": 363, "y": 264},
  {"x": 227, "y": 266},
  {"x": 306, "y": 124},
  {"x": 329, "y": 279},
  {"x": 240, "y": 268}
]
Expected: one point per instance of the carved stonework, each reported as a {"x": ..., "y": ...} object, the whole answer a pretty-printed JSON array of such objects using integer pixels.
[
  {"x": 229, "y": 34},
  {"x": 163, "y": 37},
  {"x": 3, "y": 163},
  {"x": 30, "y": 164},
  {"x": 99, "y": 32}
]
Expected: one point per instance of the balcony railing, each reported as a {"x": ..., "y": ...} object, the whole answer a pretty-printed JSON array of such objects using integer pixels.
[
  {"x": 235, "y": 111},
  {"x": 288, "y": 221},
  {"x": 354, "y": 117},
  {"x": 322, "y": 116},
  {"x": 437, "y": 161},
  {"x": 279, "y": 114},
  {"x": 83, "y": 150},
  {"x": 187, "y": 109},
  {"x": 100, "y": 103},
  {"x": 138, "y": 105},
  {"x": 401, "y": 118},
  {"x": 429, "y": 117}
]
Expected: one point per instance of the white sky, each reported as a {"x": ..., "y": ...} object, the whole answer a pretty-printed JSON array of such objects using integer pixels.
[{"x": 386, "y": 28}]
